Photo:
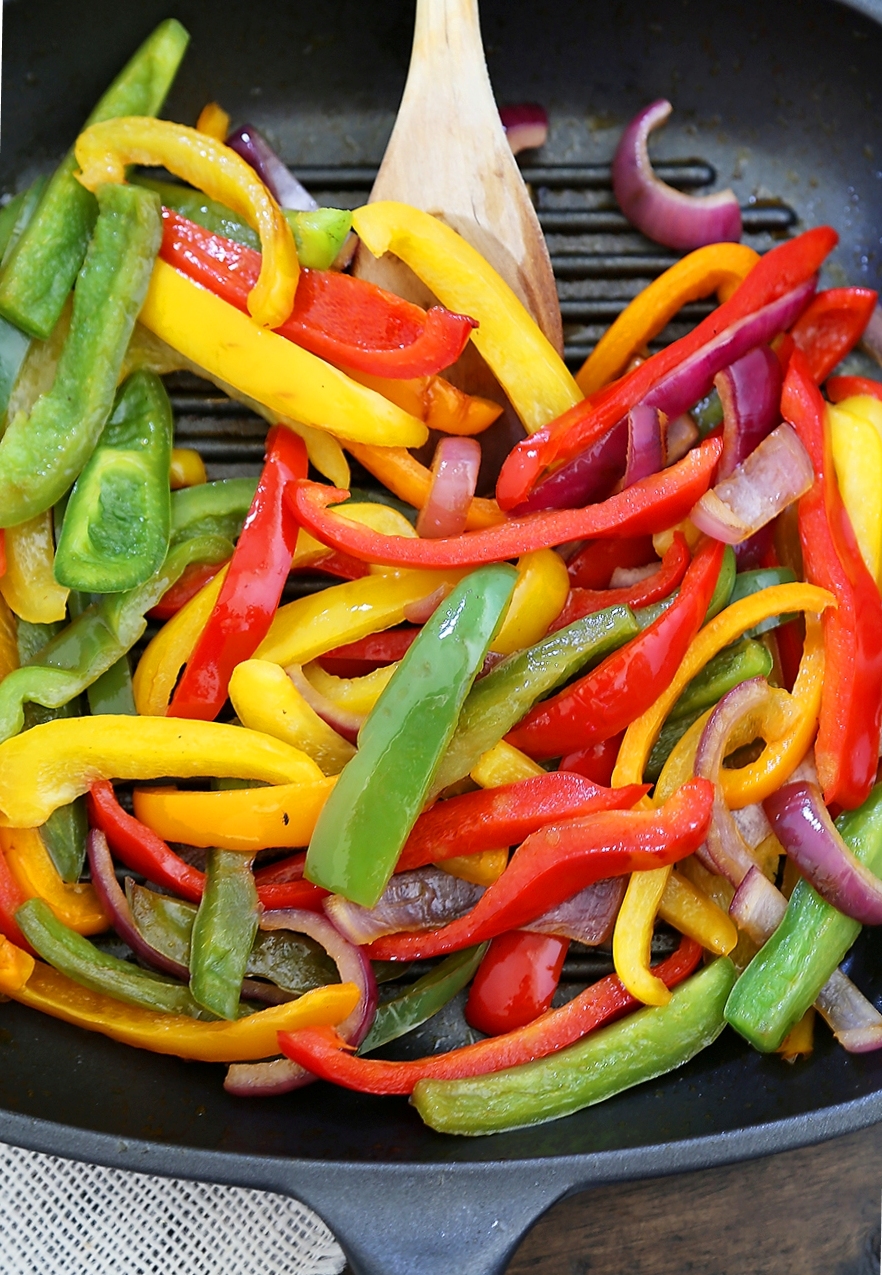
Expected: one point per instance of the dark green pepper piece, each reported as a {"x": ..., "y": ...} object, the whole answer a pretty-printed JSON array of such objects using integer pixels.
[
  {"x": 787, "y": 973},
  {"x": 644, "y": 1045},
  {"x": 42, "y": 453},
  {"x": 417, "y": 1003},
  {"x": 223, "y": 932},
  {"x": 113, "y": 692},
  {"x": 748, "y": 582},
  {"x": 211, "y": 509},
  {"x": 707, "y": 413},
  {"x": 116, "y": 527},
  {"x": 41, "y": 269}
]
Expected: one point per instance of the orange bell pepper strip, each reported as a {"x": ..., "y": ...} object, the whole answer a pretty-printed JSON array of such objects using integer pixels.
[
  {"x": 76, "y": 906},
  {"x": 441, "y": 405},
  {"x": 16, "y": 967},
  {"x": 718, "y": 267},
  {"x": 103, "y": 151},
  {"x": 213, "y": 121}
]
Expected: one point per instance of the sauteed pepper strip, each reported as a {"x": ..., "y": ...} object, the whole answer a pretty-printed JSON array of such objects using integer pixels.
[
  {"x": 27, "y": 858},
  {"x": 410, "y": 481},
  {"x": 655, "y": 587},
  {"x": 831, "y": 327},
  {"x": 28, "y": 584}
]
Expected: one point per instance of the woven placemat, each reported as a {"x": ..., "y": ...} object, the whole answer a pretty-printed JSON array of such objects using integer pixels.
[{"x": 59, "y": 1217}]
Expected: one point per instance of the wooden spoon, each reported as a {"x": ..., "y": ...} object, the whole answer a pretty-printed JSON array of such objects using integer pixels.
[{"x": 448, "y": 155}]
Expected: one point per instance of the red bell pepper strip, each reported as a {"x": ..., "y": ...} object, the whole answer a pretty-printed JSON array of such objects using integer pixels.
[
  {"x": 250, "y": 594},
  {"x": 348, "y": 321},
  {"x": 515, "y": 981},
  {"x": 282, "y": 871},
  {"x": 842, "y": 387},
  {"x": 340, "y": 566},
  {"x": 143, "y": 851},
  {"x": 597, "y": 762},
  {"x": 194, "y": 578},
  {"x": 560, "y": 860},
  {"x": 778, "y": 272},
  {"x": 323, "y": 1052},
  {"x": 850, "y": 720},
  {"x": 831, "y": 326},
  {"x": 593, "y": 565},
  {"x": 651, "y": 505},
  {"x": 626, "y": 683},
  {"x": 369, "y": 653},
  {"x": 582, "y": 602},
  {"x": 505, "y": 816}
]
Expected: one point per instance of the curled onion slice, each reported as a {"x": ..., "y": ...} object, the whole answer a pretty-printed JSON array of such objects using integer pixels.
[
  {"x": 774, "y": 475},
  {"x": 666, "y": 215},
  {"x": 346, "y": 724},
  {"x": 454, "y": 479},
  {"x": 645, "y": 454},
  {"x": 750, "y": 392},
  {"x": 422, "y": 899},
  {"x": 801, "y": 823},
  {"x": 525, "y": 124},
  {"x": 758, "y": 907},
  {"x": 275, "y": 175}
]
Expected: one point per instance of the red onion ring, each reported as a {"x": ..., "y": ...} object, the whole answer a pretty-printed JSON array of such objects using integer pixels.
[
  {"x": 588, "y": 917},
  {"x": 586, "y": 478},
  {"x": 801, "y": 823},
  {"x": 750, "y": 392},
  {"x": 454, "y": 479},
  {"x": 420, "y": 612},
  {"x": 775, "y": 474},
  {"x": 278, "y": 1076},
  {"x": 275, "y": 175},
  {"x": 645, "y": 453},
  {"x": 854, "y": 1021},
  {"x": 666, "y": 215},
  {"x": 526, "y": 126},
  {"x": 421, "y": 899},
  {"x": 758, "y": 907},
  {"x": 346, "y": 724}
]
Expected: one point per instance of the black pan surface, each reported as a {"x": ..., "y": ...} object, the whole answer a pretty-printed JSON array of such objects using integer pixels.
[{"x": 784, "y": 101}]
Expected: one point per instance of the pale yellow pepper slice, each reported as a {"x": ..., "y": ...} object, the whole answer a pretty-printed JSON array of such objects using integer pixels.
[
  {"x": 691, "y": 912},
  {"x": 104, "y": 150},
  {"x": 53, "y": 764},
  {"x": 29, "y": 585},
  {"x": 539, "y": 595},
  {"x": 76, "y": 906},
  {"x": 524, "y": 362},
  {"x": 230, "y": 347},
  {"x": 504, "y": 764},
  {"x": 214, "y": 121},
  {"x": 857, "y": 457},
  {"x": 265, "y": 699},
  {"x": 158, "y": 668},
  {"x": 632, "y": 937},
  {"x": 246, "y": 1040}
]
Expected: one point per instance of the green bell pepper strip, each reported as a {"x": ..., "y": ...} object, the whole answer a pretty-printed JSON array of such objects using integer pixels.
[
  {"x": 223, "y": 932},
  {"x": 747, "y": 582},
  {"x": 417, "y": 1003},
  {"x": 640, "y": 1047},
  {"x": 9, "y": 215},
  {"x": 112, "y": 692},
  {"x": 14, "y": 344},
  {"x": 381, "y": 791},
  {"x": 729, "y": 668},
  {"x": 788, "y": 972},
  {"x": 43, "y": 452},
  {"x": 508, "y": 691},
  {"x": 86, "y": 964},
  {"x": 42, "y": 267},
  {"x": 25, "y": 206},
  {"x": 211, "y": 509},
  {"x": 116, "y": 527},
  {"x": 78, "y": 655}
]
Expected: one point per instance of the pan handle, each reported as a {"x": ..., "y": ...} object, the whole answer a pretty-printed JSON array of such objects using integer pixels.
[{"x": 431, "y": 1219}]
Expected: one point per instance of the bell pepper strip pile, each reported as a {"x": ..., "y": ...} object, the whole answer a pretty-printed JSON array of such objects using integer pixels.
[
  {"x": 367, "y": 818},
  {"x": 410, "y": 481},
  {"x": 605, "y": 1001},
  {"x": 649, "y": 505},
  {"x": 252, "y": 587},
  {"x": 515, "y": 981},
  {"x": 718, "y": 267},
  {"x": 41, "y": 269},
  {"x": 850, "y": 722},
  {"x": 524, "y": 362},
  {"x": 347, "y": 321},
  {"x": 27, "y": 858},
  {"x": 651, "y": 589},
  {"x": 783, "y": 268},
  {"x": 831, "y": 327},
  {"x": 28, "y": 584},
  {"x": 422, "y": 999},
  {"x": 248, "y": 1039},
  {"x": 561, "y": 859},
  {"x": 42, "y": 452},
  {"x": 856, "y": 447},
  {"x": 606, "y": 700}
]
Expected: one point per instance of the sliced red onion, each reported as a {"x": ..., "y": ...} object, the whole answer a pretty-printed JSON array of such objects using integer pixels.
[
  {"x": 801, "y": 823},
  {"x": 752, "y": 824},
  {"x": 422, "y": 899},
  {"x": 588, "y": 917},
  {"x": 627, "y": 577},
  {"x": 871, "y": 341},
  {"x": 346, "y": 724},
  {"x": 280, "y": 1075},
  {"x": 751, "y": 552},
  {"x": 645, "y": 453},
  {"x": 854, "y": 1021},
  {"x": 666, "y": 215},
  {"x": 681, "y": 435},
  {"x": 775, "y": 474},
  {"x": 526, "y": 126},
  {"x": 420, "y": 612},
  {"x": 758, "y": 906},
  {"x": 586, "y": 478},
  {"x": 275, "y": 175},
  {"x": 750, "y": 392},
  {"x": 454, "y": 478}
]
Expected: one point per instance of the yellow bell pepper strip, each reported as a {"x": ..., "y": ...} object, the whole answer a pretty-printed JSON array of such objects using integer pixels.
[
  {"x": 351, "y": 695},
  {"x": 16, "y": 967},
  {"x": 718, "y": 267},
  {"x": 77, "y": 906},
  {"x": 187, "y": 468},
  {"x": 103, "y": 150},
  {"x": 690, "y": 911},
  {"x": 524, "y": 362},
  {"x": 481, "y": 869},
  {"x": 539, "y": 596},
  {"x": 50, "y": 765},
  {"x": 166, "y": 654},
  {"x": 311, "y": 626},
  {"x": 228, "y": 345},
  {"x": 504, "y": 764},
  {"x": 632, "y": 937},
  {"x": 28, "y": 584},
  {"x": 857, "y": 458},
  {"x": 246, "y": 819},
  {"x": 213, "y": 121},
  {"x": 410, "y": 481},
  {"x": 265, "y": 699},
  {"x": 246, "y": 1040}
]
